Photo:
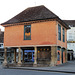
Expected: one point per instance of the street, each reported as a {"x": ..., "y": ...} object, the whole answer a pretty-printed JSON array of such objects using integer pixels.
[
  {"x": 69, "y": 67},
  {"x": 28, "y": 72}
]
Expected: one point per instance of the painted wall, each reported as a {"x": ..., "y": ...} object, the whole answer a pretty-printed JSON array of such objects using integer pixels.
[
  {"x": 43, "y": 33},
  {"x": 64, "y": 57},
  {"x": 71, "y": 34},
  {"x": 71, "y": 37},
  {"x": 61, "y": 43}
]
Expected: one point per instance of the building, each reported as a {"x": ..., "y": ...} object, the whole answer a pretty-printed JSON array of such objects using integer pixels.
[
  {"x": 71, "y": 35},
  {"x": 39, "y": 34},
  {"x": 1, "y": 47},
  {"x": 9, "y": 51},
  {"x": 70, "y": 55}
]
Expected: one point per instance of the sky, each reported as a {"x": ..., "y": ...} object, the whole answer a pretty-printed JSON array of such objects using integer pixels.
[{"x": 65, "y": 9}]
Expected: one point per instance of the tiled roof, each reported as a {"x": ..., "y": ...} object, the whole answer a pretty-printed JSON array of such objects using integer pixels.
[
  {"x": 34, "y": 14},
  {"x": 70, "y": 22}
]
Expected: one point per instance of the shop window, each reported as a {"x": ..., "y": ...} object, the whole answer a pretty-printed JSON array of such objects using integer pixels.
[
  {"x": 44, "y": 54},
  {"x": 58, "y": 56},
  {"x": 27, "y": 32},
  {"x": 25, "y": 54}
]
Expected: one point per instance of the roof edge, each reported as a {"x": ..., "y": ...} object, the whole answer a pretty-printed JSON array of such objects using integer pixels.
[{"x": 36, "y": 21}]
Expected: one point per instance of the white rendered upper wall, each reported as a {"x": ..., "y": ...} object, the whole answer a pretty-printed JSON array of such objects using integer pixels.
[
  {"x": 71, "y": 34},
  {"x": 71, "y": 37}
]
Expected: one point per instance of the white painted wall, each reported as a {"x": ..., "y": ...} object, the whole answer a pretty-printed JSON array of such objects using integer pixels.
[{"x": 71, "y": 37}]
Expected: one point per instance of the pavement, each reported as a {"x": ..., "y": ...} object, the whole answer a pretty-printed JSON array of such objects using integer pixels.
[
  {"x": 29, "y": 72},
  {"x": 68, "y": 67}
]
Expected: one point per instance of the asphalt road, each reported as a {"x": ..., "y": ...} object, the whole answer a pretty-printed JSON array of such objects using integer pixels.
[{"x": 27, "y": 72}]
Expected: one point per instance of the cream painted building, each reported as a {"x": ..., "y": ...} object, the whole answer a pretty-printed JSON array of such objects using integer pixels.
[{"x": 71, "y": 35}]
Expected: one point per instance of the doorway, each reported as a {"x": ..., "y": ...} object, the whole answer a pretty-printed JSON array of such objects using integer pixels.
[
  {"x": 29, "y": 55},
  {"x": 62, "y": 56}
]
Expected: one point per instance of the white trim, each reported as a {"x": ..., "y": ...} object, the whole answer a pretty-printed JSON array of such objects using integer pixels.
[
  {"x": 30, "y": 45},
  {"x": 35, "y": 46}
]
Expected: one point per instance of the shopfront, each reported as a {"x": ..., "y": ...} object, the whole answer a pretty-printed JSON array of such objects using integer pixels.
[{"x": 29, "y": 55}]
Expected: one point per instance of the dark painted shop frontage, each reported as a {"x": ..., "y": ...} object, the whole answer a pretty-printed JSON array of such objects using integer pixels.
[
  {"x": 34, "y": 56},
  {"x": 43, "y": 55},
  {"x": 37, "y": 56}
]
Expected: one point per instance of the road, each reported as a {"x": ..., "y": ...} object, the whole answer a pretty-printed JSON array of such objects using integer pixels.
[
  {"x": 27, "y": 72},
  {"x": 69, "y": 66}
]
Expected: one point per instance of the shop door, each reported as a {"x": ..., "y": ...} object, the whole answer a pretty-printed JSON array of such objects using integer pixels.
[{"x": 29, "y": 56}]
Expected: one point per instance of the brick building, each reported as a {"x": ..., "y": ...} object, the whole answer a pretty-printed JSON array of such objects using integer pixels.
[{"x": 39, "y": 34}]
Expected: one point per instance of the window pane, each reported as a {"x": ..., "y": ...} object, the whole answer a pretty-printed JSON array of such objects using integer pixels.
[
  {"x": 59, "y": 32},
  {"x": 58, "y": 56},
  {"x": 44, "y": 54},
  {"x": 27, "y": 33},
  {"x": 58, "y": 48},
  {"x": 63, "y": 35}
]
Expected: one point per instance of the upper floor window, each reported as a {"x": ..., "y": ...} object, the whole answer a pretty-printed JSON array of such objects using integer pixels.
[
  {"x": 63, "y": 35},
  {"x": 27, "y": 32},
  {"x": 59, "y": 32}
]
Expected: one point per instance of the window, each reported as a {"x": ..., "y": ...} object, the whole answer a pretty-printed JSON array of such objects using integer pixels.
[
  {"x": 1, "y": 55},
  {"x": 58, "y": 48},
  {"x": 59, "y": 32},
  {"x": 44, "y": 53},
  {"x": 70, "y": 37},
  {"x": 58, "y": 56},
  {"x": 27, "y": 32},
  {"x": 63, "y": 35},
  {"x": 1, "y": 45},
  {"x": 69, "y": 25}
]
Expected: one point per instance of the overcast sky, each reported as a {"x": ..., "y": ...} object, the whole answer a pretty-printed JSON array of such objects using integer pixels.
[{"x": 65, "y": 9}]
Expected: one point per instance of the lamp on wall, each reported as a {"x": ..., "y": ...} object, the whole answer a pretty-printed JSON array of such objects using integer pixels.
[
  {"x": 47, "y": 49},
  {"x": 38, "y": 51},
  {"x": 44, "y": 49}
]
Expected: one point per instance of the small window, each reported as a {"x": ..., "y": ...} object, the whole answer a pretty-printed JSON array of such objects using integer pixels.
[
  {"x": 59, "y": 32},
  {"x": 58, "y": 48},
  {"x": 58, "y": 56},
  {"x": 27, "y": 32},
  {"x": 69, "y": 25}
]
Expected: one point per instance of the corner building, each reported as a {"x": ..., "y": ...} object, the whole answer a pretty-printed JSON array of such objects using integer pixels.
[{"x": 39, "y": 35}]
